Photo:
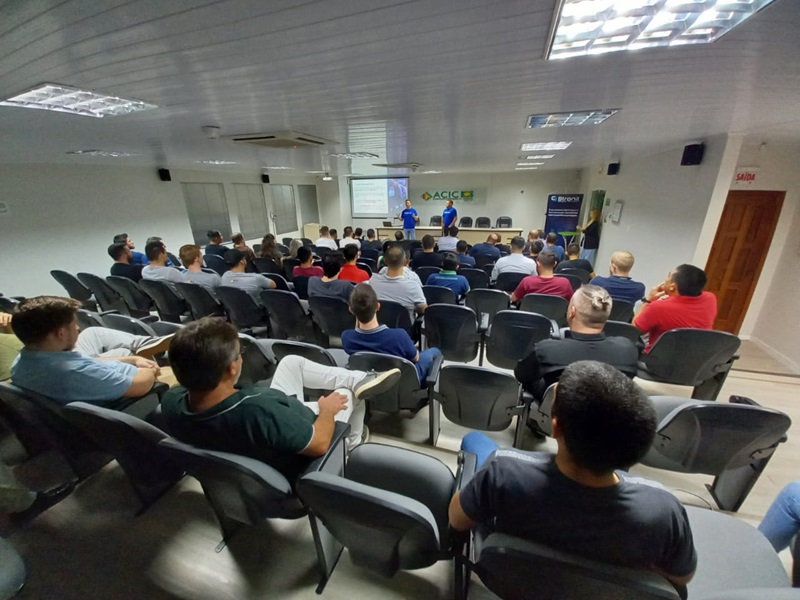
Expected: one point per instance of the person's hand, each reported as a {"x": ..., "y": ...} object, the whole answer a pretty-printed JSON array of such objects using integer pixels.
[
  {"x": 143, "y": 363},
  {"x": 5, "y": 319},
  {"x": 656, "y": 293},
  {"x": 332, "y": 403}
]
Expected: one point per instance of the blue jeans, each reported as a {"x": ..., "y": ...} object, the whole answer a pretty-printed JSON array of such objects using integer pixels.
[
  {"x": 410, "y": 234},
  {"x": 425, "y": 361},
  {"x": 782, "y": 521},
  {"x": 479, "y": 443},
  {"x": 590, "y": 255}
]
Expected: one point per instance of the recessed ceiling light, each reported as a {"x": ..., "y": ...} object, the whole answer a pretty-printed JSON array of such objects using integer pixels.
[
  {"x": 63, "y": 98},
  {"x": 538, "y": 156},
  {"x": 106, "y": 153},
  {"x": 316, "y": 172},
  {"x": 525, "y": 168},
  {"x": 530, "y": 164},
  {"x": 278, "y": 168},
  {"x": 583, "y": 27},
  {"x": 352, "y": 155},
  {"x": 429, "y": 172},
  {"x": 216, "y": 162},
  {"x": 545, "y": 146},
  {"x": 570, "y": 119},
  {"x": 327, "y": 177}
]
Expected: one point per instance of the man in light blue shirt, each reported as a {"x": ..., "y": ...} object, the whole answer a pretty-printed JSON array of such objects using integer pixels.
[
  {"x": 252, "y": 283},
  {"x": 516, "y": 262},
  {"x": 410, "y": 219}
]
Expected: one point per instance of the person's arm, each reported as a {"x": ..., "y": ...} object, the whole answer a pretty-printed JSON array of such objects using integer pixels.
[
  {"x": 420, "y": 308},
  {"x": 329, "y": 406},
  {"x": 653, "y": 295},
  {"x": 142, "y": 383},
  {"x": 518, "y": 294},
  {"x": 416, "y": 216},
  {"x": 457, "y": 517},
  {"x": 495, "y": 273},
  {"x": 528, "y": 371}
]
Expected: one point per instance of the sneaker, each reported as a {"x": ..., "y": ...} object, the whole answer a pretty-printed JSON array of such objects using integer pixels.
[
  {"x": 376, "y": 383},
  {"x": 43, "y": 501},
  {"x": 154, "y": 346}
]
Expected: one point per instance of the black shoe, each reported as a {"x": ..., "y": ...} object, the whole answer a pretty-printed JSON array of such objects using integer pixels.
[{"x": 44, "y": 500}]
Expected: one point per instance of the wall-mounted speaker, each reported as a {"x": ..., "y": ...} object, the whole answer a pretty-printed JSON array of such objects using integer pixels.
[
  {"x": 613, "y": 168},
  {"x": 163, "y": 175},
  {"x": 693, "y": 154},
  {"x": 264, "y": 178}
]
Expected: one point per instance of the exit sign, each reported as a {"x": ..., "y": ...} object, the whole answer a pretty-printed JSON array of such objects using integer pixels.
[{"x": 746, "y": 175}]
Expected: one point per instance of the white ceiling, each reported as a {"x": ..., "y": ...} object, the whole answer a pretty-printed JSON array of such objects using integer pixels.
[{"x": 446, "y": 83}]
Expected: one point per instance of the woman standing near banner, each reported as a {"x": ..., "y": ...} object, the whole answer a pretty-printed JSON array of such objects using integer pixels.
[{"x": 591, "y": 236}]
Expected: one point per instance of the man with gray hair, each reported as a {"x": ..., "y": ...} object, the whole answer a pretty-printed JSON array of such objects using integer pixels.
[
  {"x": 587, "y": 314},
  {"x": 516, "y": 262}
]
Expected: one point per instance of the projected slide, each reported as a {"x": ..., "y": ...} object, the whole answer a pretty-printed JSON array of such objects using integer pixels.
[{"x": 380, "y": 198}]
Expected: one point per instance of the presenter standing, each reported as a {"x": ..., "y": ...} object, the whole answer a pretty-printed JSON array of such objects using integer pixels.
[
  {"x": 449, "y": 217},
  {"x": 591, "y": 236},
  {"x": 410, "y": 219}
]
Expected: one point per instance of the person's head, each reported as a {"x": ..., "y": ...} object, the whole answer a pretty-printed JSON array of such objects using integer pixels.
[
  {"x": 536, "y": 248},
  {"x": 428, "y": 242},
  {"x": 122, "y": 238},
  {"x": 589, "y": 308},
  {"x": 156, "y": 252},
  {"x": 333, "y": 233},
  {"x": 603, "y": 419},
  {"x": 449, "y": 204},
  {"x": 453, "y": 231},
  {"x": 358, "y": 233},
  {"x": 364, "y": 303},
  {"x": 237, "y": 239},
  {"x": 394, "y": 257},
  {"x": 155, "y": 238},
  {"x": 491, "y": 239},
  {"x": 332, "y": 264},
  {"x": 350, "y": 253},
  {"x": 190, "y": 254},
  {"x": 398, "y": 235},
  {"x": 686, "y": 280},
  {"x": 236, "y": 260},
  {"x": 120, "y": 252},
  {"x": 348, "y": 232},
  {"x": 450, "y": 261},
  {"x": 595, "y": 213},
  {"x": 305, "y": 256},
  {"x": 206, "y": 353},
  {"x": 573, "y": 251},
  {"x": 269, "y": 246},
  {"x": 370, "y": 234},
  {"x": 621, "y": 263},
  {"x": 323, "y": 231},
  {"x": 214, "y": 236},
  {"x": 551, "y": 238},
  {"x": 534, "y": 234},
  {"x": 408, "y": 203},
  {"x": 294, "y": 246},
  {"x": 47, "y": 320},
  {"x": 461, "y": 246},
  {"x": 546, "y": 261},
  {"x": 517, "y": 244}
]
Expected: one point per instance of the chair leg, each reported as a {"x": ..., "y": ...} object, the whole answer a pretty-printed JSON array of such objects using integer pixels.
[
  {"x": 731, "y": 487},
  {"x": 433, "y": 421},
  {"x": 522, "y": 420},
  {"x": 329, "y": 550},
  {"x": 710, "y": 388}
]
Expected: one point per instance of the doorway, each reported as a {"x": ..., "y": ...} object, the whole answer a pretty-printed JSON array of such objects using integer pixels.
[{"x": 737, "y": 256}]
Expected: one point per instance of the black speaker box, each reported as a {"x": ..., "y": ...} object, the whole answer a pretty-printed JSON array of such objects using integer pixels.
[
  {"x": 692, "y": 154},
  {"x": 613, "y": 168},
  {"x": 264, "y": 178},
  {"x": 163, "y": 175}
]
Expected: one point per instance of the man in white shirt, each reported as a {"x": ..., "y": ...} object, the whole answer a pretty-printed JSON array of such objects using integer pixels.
[
  {"x": 448, "y": 243},
  {"x": 157, "y": 269},
  {"x": 325, "y": 240},
  {"x": 349, "y": 239},
  {"x": 395, "y": 286},
  {"x": 515, "y": 262}
]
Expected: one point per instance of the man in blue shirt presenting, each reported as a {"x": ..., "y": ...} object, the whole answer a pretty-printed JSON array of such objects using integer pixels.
[
  {"x": 449, "y": 217},
  {"x": 410, "y": 219}
]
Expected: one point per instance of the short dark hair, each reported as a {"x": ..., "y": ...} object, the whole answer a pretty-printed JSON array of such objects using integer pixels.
[
  {"x": 154, "y": 238},
  {"x": 537, "y": 247},
  {"x": 213, "y": 233},
  {"x": 201, "y": 352},
  {"x": 428, "y": 242},
  {"x": 364, "y": 302},
  {"x": 359, "y": 232},
  {"x": 398, "y": 235},
  {"x": 690, "y": 280},
  {"x": 154, "y": 249},
  {"x": 394, "y": 256},
  {"x": 551, "y": 238},
  {"x": 332, "y": 263},
  {"x": 453, "y": 231},
  {"x": 237, "y": 238},
  {"x": 573, "y": 249},
  {"x": 370, "y": 233},
  {"x": 607, "y": 420},
  {"x": 547, "y": 258},
  {"x": 461, "y": 246},
  {"x": 120, "y": 238},
  {"x": 350, "y": 252},
  {"x": 518, "y": 242},
  {"x": 323, "y": 230},
  {"x": 332, "y": 231},
  {"x": 348, "y": 231},
  {"x": 116, "y": 250},
  {"x": 233, "y": 257},
  {"x": 303, "y": 254},
  {"x": 188, "y": 253},
  {"x": 450, "y": 262},
  {"x": 35, "y": 318}
]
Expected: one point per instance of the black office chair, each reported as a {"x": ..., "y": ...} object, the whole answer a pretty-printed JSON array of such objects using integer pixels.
[
  {"x": 732, "y": 441},
  {"x": 288, "y": 267},
  {"x": 169, "y": 305},
  {"x": 280, "y": 282},
  {"x": 288, "y": 319},
  {"x": 75, "y": 289},
  {"x": 256, "y": 249},
  {"x": 438, "y": 294},
  {"x": 322, "y": 252},
  {"x": 621, "y": 311},
  {"x": 483, "y": 222},
  {"x": 372, "y": 263},
  {"x": 453, "y": 329},
  {"x": 332, "y": 316},
  {"x": 301, "y": 286},
  {"x": 482, "y": 260},
  {"x": 477, "y": 278},
  {"x": 307, "y": 242},
  {"x": 283, "y": 249},
  {"x": 139, "y": 304},
  {"x": 581, "y": 274},
  {"x": 503, "y": 222},
  {"x": 128, "y": 324},
  {"x": 258, "y": 362},
  {"x": 248, "y": 316},
  {"x": 552, "y": 307},
  {"x": 90, "y": 318},
  {"x": 465, "y": 222},
  {"x": 486, "y": 303},
  {"x": 215, "y": 262},
  {"x": 201, "y": 302},
  {"x": 436, "y": 221},
  {"x": 395, "y": 315},
  {"x": 9, "y": 304},
  {"x": 513, "y": 335},
  {"x": 626, "y": 330},
  {"x": 697, "y": 357},
  {"x": 574, "y": 281},
  {"x": 107, "y": 298},
  {"x": 508, "y": 282},
  {"x": 424, "y": 272},
  {"x": 283, "y": 348},
  {"x": 364, "y": 267},
  {"x": 263, "y": 264}
]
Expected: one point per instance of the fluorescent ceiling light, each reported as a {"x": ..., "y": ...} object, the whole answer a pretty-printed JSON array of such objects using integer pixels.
[
  {"x": 63, "y": 98},
  {"x": 317, "y": 172},
  {"x": 106, "y": 153},
  {"x": 278, "y": 168},
  {"x": 525, "y": 168},
  {"x": 570, "y": 119},
  {"x": 585, "y": 27},
  {"x": 352, "y": 155},
  {"x": 327, "y": 178},
  {"x": 529, "y": 164},
  {"x": 544, "y": 146},
  {"x": 216, "y": 162}
]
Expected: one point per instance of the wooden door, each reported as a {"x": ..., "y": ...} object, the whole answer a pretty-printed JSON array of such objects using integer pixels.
[{"x": 740, "y": 247}]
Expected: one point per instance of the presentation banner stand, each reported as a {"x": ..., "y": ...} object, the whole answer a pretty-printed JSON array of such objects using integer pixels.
[{"x": 563, "y": 212}]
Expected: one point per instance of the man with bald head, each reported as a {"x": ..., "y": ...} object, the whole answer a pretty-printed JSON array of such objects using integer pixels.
[{"x": 619, "y": 284}]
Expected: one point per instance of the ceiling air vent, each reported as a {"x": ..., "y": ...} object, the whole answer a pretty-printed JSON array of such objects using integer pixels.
[
  {"x": 406, "y": 165},
  {"x": 280, "y": 139}
]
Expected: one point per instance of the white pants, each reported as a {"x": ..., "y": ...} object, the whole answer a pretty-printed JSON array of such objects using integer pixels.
[
  {"x": 101, "y": 341},
  {"x": 295, "y": 372}
]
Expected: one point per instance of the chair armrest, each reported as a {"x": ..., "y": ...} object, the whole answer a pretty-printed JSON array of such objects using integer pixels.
[
  {"x": 467, "y": 466},
  {"x": 743, "y": 400},
  {"x": 433, "y": 374},
  {"x": 148, "y": 319},
  {"x": 324, "y": 463},
  {"x": 108, "y": 312}
]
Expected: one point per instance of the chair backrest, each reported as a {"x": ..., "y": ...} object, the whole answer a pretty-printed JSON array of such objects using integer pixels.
[
  {"x": 508, "y": 282},
  {"x": 128, "y": 324},
  {"x": 478, "y": 398},
  {"x": 287, "y": 316},
  {"x": 581, "y": 274},
  {"x": 394, "y": 315},
  {"x": 509, "y": 566},
  {"x": 288, "y": 267},
  {"x": 483, "y": 222},
  {"x": 201, "y": 303},
  {"x": 331, "y": 315},
  {"x": 256, "y": 365},
  {"x": 106, "y": 297},
  {"x": 89, "y": 318},
  {"x": 301, "y": 286},
  {"x": 139, "y": 304},
  {"x": 626, "y": 330},
  {"x": 503, "y": 222},
  {"x": 371, "y": 255},
  {"x": 486, "y": 303},
  {"x": 283, "y": 249},
  {"x": 690, "y": 356},
  {"x": 256, "y": 248},
  {"x": 477, "y": 278},
  {"x": 241, "y": 308},
  {"x": 552, "y": 307},
  {"x": 312, "y": 352},
  {"x": 436, "y": 221},
  {"x": 465, "y": 222},
  {"x": 287, "y": 241},
  {"x": 406, "y": 395},
  {"x": 8, "y": 304},
  {"x": 424, "y": 272},
  {"x": 170, "y": 307},
  {"x": 513, "y": 335},
  {"x": 280, "y": 282},
  {"x": 574, "y": 281},
  {"x": 215, "y": 262},
  {"x": 364, "y": 267},
  {"x": 484, "y": 259},
  {"x": 621, "y": 311},
  {"x": 75, "y": 289},
  {"x": 323, "y": 251},
  {"x": 454, "y": 330},
  {"x": 438, "y": 294},
  {"x": 306, "y": 242},
  {"x": 264, "y": 264}
]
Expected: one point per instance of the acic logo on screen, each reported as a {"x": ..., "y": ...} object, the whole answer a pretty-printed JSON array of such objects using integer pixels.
[{"x": 449, "y": 195}]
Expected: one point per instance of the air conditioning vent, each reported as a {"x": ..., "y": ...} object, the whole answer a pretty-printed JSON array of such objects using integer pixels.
[{"x": 280, "y": 139}]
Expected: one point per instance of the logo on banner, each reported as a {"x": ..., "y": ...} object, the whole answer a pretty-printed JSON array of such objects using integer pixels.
[
  {"x": 572, "y": 199},
  {"x": 449, "y": 195}
]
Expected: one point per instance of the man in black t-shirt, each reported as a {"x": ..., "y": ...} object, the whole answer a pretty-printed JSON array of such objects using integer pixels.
[
  {"x": 426, "y": 257},
  {"x": 122, "y": 267},
  {"x": 574, "y": 261}
]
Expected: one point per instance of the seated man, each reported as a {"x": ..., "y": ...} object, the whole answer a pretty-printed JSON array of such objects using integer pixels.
[
  {"x": 158, "y": 269},
  {"x": 574, "y": 261},
  {"x": 306, "y": 268},
  {"x": 544, "y": 282},
  {"x": 581, "y": 500},
  {"x": 398, "y": 236},
  {"x": 587, "y": 314},
  {"x": 551, "y": 244},
  {"x": 325, "y": 240},
  {"x": 464, "y": 259},
  {"x": 448, "y": 277},
  {"x": 394, "y": 285},
  {"x": 123, "y": 262},
  {"x": 371, "y": 243},
  {"x": 137, "y": 258},
  {"x": 329, "y": 285},
  {"x": 192, "y": 259},
  {"x": 487, "y": 248},
  {"x": 269, "y": 423},
  {"x": 349, "y": 238},
  {"x": 449, "y": 241},
  {"x": 426, "y": 257},
  {"x": 96, "y": 365},
  {"x": 516, "y": 262},
  {"x": 678, "y": 302},
  {"x": 619, "y": 284},
  {"x": 370, "y": 336},
  {"x": 350, "y": 271},
  {"x": 235, "y": 276},
  {"x": 214, "y": 245}
]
